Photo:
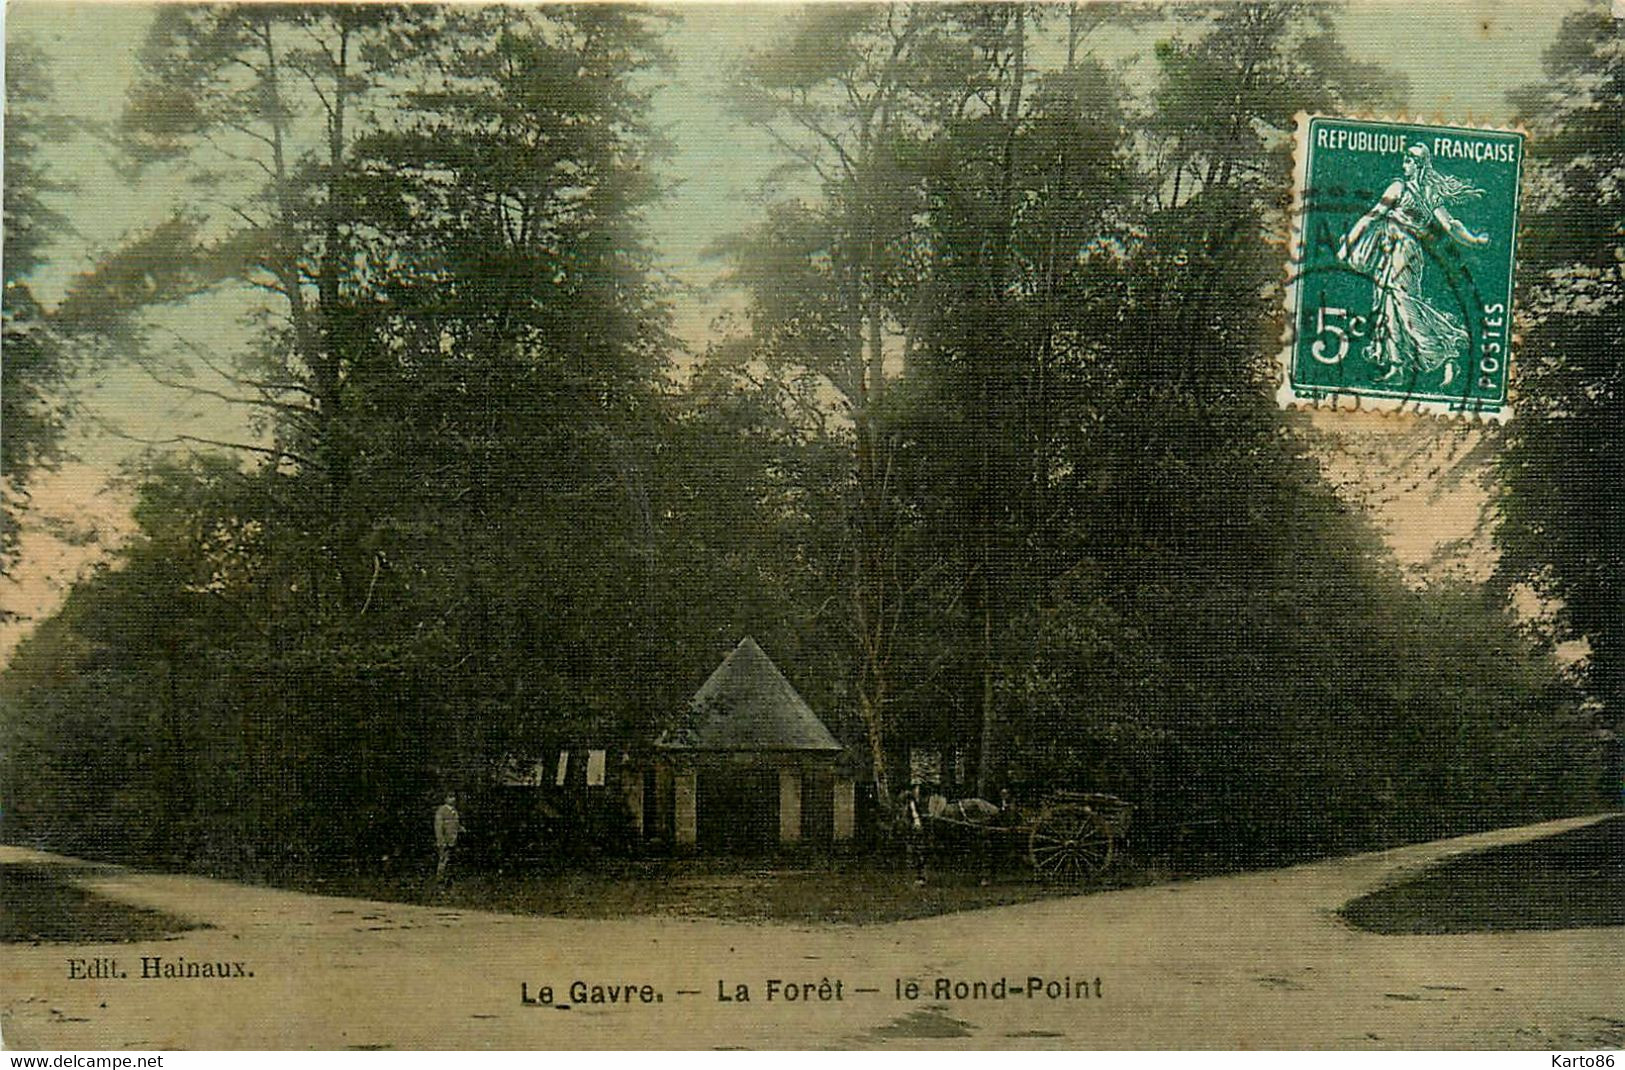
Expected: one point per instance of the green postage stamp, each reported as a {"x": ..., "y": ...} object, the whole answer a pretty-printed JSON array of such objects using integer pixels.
[{"x": 1400, "y": 280}]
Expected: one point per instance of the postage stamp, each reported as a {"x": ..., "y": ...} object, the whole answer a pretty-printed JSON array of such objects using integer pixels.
[{"x": 1399, "y": 290}]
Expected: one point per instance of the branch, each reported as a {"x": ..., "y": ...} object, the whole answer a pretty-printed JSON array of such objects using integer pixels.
[
  {"x": 247, "y": 131},
  {"x": 800, "y": 154},
  {"x": 240, "y": 158},
  {"x": 810, "y": 124},
  {"x": 267, "y": 451},
  {"x": 315, "y": 87},
  {"x": 280, "y": 406},
  {"x": 377, "y": 562},
  {"x": 238, "y": 61},
  {"x": 202, "y": 355},
  {"x": 250, "y": 221}
]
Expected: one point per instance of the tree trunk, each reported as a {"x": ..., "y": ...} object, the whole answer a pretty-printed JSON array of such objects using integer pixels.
[
  {"x": 998, "y": 273},
  {"x": 868, "y": 524}
]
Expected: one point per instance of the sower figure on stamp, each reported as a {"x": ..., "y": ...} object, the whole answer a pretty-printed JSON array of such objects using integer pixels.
[
  {"x": 1409, "y": 333},
  {"x": 448, "y": 825}
]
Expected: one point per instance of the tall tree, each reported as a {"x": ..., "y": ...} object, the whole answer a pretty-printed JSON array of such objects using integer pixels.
[
  {"x": 1563, "y": 517},
  {"x": 34, "y": 397},
  {"x": 846, "y": 95},
  {"x": 1025, "y": 178},
  {"x": 260, "y": 108},
  {"x": 456, "y": 364}
]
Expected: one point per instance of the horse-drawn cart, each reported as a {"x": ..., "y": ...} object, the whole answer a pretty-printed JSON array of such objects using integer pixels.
[{"x": 1067, "y": 836}]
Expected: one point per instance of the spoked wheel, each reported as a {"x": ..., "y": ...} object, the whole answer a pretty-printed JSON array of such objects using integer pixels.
[{"x": 1069, "y": 843}]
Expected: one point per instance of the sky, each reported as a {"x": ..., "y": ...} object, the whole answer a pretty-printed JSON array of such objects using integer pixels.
[{"x": 1460, "y": 57}]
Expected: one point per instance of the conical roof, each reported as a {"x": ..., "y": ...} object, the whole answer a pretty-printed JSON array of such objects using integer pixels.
[{"x": 747, "y": 704}]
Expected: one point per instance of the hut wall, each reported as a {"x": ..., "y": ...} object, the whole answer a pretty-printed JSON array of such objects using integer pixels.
[
  {"x": 747, "y": 801},
  {"x": 789, "y": 805},
  {"x": 685, "y": 801},
  {"x": 663, "y": 824},
  {"x": 843, "y": 820}
]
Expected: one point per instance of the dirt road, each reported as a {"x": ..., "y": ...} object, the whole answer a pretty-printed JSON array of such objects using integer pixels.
[{"x": 1257, "y": 961}]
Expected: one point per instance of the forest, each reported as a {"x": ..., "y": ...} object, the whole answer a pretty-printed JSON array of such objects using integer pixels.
[{"x": 987, "y": 456}]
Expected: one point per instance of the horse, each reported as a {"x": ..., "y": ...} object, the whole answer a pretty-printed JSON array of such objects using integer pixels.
[
  {"x": 963, "y": 827},
  {"x": 970, "y": 811}
]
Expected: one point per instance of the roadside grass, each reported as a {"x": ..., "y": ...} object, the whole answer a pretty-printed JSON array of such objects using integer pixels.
[
  {"x": 1569, "y": 881},
  {"x": 858, "y": 890},
  {"x": 39, "y": 905},
  {"x": 1565, "y": 881}
]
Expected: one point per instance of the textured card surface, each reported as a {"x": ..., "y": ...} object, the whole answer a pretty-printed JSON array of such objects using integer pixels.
[{"x": 848, "y": 526}]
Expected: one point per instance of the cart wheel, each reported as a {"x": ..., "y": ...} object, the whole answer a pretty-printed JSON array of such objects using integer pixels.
[{"x": 1069, "y": 842}]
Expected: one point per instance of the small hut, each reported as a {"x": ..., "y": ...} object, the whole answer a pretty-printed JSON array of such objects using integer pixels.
[{"x": 750, "y": 766}]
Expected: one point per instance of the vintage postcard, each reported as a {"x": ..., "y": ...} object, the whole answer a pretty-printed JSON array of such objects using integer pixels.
[{"x": 837, "y": 526}]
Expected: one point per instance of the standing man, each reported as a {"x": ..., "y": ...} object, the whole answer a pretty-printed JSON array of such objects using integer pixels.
[
  {"x": 447, "y": 826},
  {"x": 914, "y": 833}
]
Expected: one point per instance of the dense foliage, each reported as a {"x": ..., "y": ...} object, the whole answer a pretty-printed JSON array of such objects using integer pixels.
[
  {"x": 1563, "y": 530},
  {"x": 34, "y": 398},
  {"x": 993, "y": 464}
]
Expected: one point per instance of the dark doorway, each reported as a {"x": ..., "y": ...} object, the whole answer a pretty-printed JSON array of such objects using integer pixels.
[
  {"x": 817, "y": 807},
  {"x": 738, "y": 809}
]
